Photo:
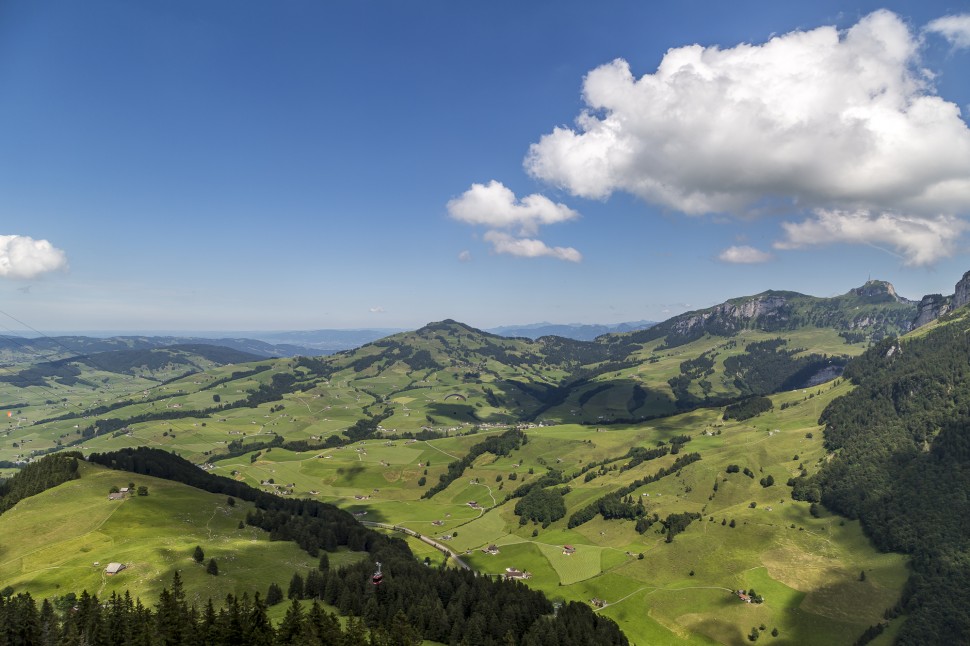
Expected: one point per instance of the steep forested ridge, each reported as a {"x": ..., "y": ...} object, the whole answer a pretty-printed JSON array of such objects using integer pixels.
[{"x": 903, "y": 469}]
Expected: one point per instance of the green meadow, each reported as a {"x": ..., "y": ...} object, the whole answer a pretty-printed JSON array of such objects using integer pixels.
[
  {"x": 61, "y": 541},
  {"x": 807, "y": 567}
]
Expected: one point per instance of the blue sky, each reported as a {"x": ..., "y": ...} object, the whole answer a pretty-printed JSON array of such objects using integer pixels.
[{"x": 299, "y": 165}]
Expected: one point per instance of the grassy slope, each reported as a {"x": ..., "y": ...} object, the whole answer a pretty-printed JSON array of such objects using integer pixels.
[
  {"x": 52, "y": 541},
  {"x": 808, "y": 573}
]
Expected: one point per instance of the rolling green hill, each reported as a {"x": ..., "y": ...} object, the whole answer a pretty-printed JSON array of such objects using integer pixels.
[
  {"x": 626, "y": 453},
  {"x": 62, "y": 539}
]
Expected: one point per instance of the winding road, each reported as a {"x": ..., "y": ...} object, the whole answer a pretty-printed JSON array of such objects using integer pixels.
[{"x": 427, "y": 539}]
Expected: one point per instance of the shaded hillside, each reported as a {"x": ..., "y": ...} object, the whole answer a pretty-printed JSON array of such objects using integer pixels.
[{"x": 903, "y": 468}]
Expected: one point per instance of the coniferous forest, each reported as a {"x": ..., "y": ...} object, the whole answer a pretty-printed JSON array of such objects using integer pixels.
[
  {"x": 496, "y": 613},
  {"x": 902, "y": 468}
]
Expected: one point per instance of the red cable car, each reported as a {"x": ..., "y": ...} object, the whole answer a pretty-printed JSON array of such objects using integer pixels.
[{"x": 378, "y": 576}]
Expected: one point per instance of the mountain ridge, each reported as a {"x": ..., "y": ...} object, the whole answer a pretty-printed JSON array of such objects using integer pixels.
[
  {"x": 933, "y": 306},
  {"x": 873, "y": 309}
]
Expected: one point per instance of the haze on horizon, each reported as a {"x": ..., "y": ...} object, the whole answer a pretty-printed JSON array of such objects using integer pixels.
[{"x": 252, "y": 167}]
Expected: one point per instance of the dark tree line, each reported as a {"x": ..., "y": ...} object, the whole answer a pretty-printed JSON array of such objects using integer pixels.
[
  {"x": 748, "y": 408},
  {"x": 38, "y": 476},
  {"x": 123, "y": 621}
]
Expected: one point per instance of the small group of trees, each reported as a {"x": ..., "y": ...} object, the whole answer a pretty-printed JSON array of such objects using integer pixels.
[
  {"x": 541, "y": 505},
  {"x": 198, "y": 555}
]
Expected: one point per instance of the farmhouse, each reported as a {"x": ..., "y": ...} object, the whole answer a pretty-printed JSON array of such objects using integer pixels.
[
  {"x": 568, "y": 549},
  {"x": 116, "y": 496},
  {"x": 114, "y": 568},
  {"x": 491, "y": 549},
  {"x": 512, "y": 573}
]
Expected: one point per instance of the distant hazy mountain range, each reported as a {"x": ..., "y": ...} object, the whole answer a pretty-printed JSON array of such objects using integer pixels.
[
  {"x": 577, "y": 331},
  {"x": 16, "y": 348}
]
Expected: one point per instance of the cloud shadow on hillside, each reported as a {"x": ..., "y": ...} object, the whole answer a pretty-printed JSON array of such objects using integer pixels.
[{"x": 457, "y": 412}]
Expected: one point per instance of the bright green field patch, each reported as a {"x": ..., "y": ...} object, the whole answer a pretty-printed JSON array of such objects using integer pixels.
[{"x": 584, "y": 563}]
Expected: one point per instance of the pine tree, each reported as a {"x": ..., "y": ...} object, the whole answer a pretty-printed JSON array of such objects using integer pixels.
[
  {"x": 212, "y": 568},
  {"x": 259, "y": 629},
  {"x": 274, "y": 594},
  {"x": 292, "y": 624},
  {"x": 198, "y": 555},
  {"x": 295, "y": 590}
]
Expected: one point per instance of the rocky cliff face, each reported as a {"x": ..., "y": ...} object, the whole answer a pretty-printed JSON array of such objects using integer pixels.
[
  {"x": 933, "y": 306},
  {"x": 961, "y": 294},
  {"x": 930, "y": 308},
  {"x": 731, "y": 317}
]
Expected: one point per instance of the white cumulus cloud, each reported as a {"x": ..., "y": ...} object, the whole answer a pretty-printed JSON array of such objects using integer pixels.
[
  {"x": 465, "y": 256},
  {"x": 744, "y": 255},
  {"x": 377, "y": 309},
  {"x": 956, "y": 29},
  {"x": 496, "y": 206},
  {"x": 809, "y": 119},
  {"x": 504, "y": 243},
  {"x": 24, "y": 257},
  {"x": 917, "y": 240}
]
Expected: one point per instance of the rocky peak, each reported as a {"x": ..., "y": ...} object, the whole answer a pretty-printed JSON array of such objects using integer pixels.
[
  {"x": 879, "y": 291},
  {"x": 933, "y": 306},
  {"x": 961, "y": 293}
]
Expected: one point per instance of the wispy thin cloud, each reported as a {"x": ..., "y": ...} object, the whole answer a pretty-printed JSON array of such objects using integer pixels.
[
  {"x": 956, "y": 29},
  {"x": 744, "y": 255},
  {"x": 917, "y": 240},
  {"x": 503, "y": 243}
]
